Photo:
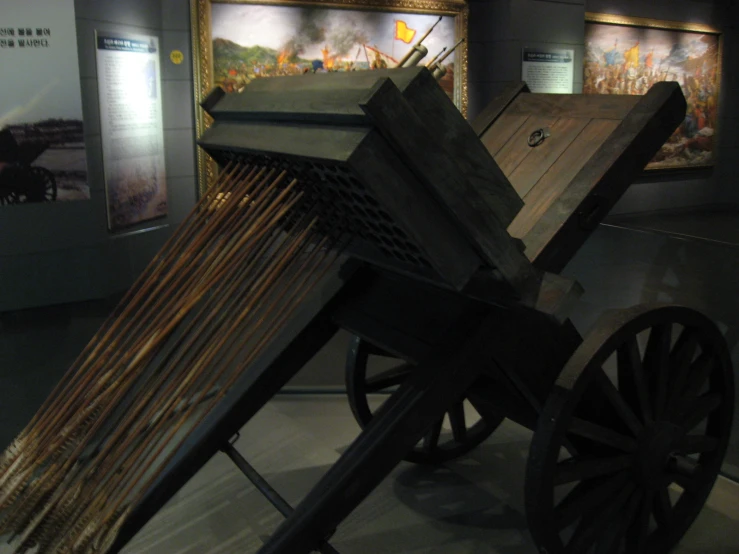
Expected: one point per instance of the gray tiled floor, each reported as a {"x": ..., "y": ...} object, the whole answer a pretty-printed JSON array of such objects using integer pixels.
[{"x": 471, "y": 506}]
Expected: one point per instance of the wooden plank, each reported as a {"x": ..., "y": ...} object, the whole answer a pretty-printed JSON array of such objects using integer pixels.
[
  {"x": 405, "y": 198},
  {"x": 621, "y": 158},
  {"x": 324, "y": 143},
  {"x": 590, "y": 106},
  {"x": 564, "y": 134},
  {"x": 501, "y": 131},
  {"x": 497, "y": 106},
  {"x": 489, "y": 191},
  {"x": 321, "y": 106},
  {"x": 437, "y": 168},
  {"x": 557, "y": 177},
  {"x": 517, "y": 148}
]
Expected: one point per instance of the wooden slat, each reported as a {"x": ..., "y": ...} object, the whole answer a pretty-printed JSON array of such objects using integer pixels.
[
  {"x": 559, "y": 176},
  {"x": 488, "y": 188},
  {"x": 590, "y": 106},
  {"x": 497, "y": 106},
  {"x": 501, "y": 132},
  {"x": 517, "y": 149},
  {"x": 613, "y": 167},
  {"x": 541, "y": 157},
  {"x": 436, "y": 167}
]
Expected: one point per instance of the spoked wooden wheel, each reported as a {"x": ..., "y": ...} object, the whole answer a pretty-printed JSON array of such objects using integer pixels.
[
  {"x": 8, "y": 196},
  {"x": 45, "y": 181},
  {"x": 462, "y": 429},
  {"x": 631, "y": 439}
]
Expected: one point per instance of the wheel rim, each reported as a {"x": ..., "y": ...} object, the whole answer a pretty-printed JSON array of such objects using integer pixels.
[
  {"x": 647, "y": 435},
  {"x": 47, "y": 183},
  {"x": 464, "y": 433}
]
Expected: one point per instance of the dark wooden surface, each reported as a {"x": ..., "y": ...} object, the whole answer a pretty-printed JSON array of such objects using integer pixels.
[
  {"x": 490, "y": 192},
  {"x": 598, "y": 145},
  {"x": 557, "y": 177},
  {"x": 403, "y": 196},
  {"x": 323, "y": 143},
  {"x": 402, "y": 315},
  {"x": 320, "y": 97},
  {"x": 439, "y": 171},
  {"x": 604, "y": 178},
  {"x": 497, "y": 106},
  {"x": 590, "y": 106}
]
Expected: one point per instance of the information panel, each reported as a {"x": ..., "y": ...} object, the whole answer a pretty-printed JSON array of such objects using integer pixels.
[
  {"x": 548, "y": 70},
  {"x": 132, "y": 129},
  {"x": 42, "y": 150}
]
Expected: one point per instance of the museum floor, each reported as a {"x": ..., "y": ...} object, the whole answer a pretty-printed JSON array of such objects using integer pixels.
[{"x": 471, "y": 506}]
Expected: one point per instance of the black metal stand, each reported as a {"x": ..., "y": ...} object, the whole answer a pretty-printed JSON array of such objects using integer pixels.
[{"x": 267, "y": 490}]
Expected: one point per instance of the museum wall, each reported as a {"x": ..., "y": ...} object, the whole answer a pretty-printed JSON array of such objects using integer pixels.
[
  {"x": 499, "y": 30},
  {"x": 62, "y": 252},
  {"x": 710, "y": 187}
]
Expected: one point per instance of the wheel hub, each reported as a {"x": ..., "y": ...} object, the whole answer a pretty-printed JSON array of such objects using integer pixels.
[{"x": 657, "y": 446}]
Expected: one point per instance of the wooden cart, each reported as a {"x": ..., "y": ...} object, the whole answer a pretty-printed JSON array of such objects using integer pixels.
[
  {"x": 20, "y": 180},
  {"x": 453, "y": 269}
]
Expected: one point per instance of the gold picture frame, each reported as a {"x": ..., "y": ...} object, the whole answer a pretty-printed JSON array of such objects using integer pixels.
[
  {"x": 203, "y": 55},
  {"x": 624, "y": 55}
]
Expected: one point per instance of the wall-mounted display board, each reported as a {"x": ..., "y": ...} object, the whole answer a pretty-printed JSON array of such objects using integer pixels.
[
  {"x": 548, "y": 70},
  {"x": 42, "y": 149},
  {"x": 627, "y": 55},
  {"x": 132, "y": 128},
  {"x": 236, "y": 41}
]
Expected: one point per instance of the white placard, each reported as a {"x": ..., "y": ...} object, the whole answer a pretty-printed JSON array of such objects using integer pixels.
[
  {"x": 548, "y": 70},
  {"x": 42, "y": 149},
  {"x": 132, "y": 129}
]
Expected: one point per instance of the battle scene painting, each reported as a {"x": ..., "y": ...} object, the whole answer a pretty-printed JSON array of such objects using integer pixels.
[
  {"x": 622, "y": 59},
  {"x": 250, "y": 41}
]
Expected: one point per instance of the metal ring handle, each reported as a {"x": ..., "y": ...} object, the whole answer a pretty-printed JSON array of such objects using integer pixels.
[{"x": 538, "y": 136}]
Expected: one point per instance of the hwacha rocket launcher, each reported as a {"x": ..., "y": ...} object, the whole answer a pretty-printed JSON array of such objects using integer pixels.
[{"x": 365, "y": 201}]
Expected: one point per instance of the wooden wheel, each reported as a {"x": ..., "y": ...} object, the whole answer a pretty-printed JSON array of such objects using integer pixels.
[
  {"x": 8, "y": 196},
  {"x": 631, "y": 439},
  {"x": 45, "y": 183},
  {"x": 461, "y": 430}
]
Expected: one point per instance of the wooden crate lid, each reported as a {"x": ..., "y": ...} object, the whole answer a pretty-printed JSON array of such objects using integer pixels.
[{"x": 598, "y": 145}]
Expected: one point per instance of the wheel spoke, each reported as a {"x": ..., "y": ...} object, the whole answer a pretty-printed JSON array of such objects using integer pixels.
[
  {"x": 700, "y": 371},
  {"x": 615, "y": 535},
  {"x": 681, "y": 360},
  {"x": 656, "y": 365},
  {"x": 581, "y": 470},
  {"x": 431, "y": 440},
  {"x": 662, "y": 507},
  {"x": 602, "y": 435},
  {"x": 592, "y": 525},
  {"x": 699, "y": 410},
  {"x": 484, "y": 407},
  {"x": 695, "y": 444},
  {"x": 457, "y": 421},
  {"x": 586, "y": 497},
  {"x": 623, "y": 410},
  {"x": 386, "y": 379},
  {"x": 631, "y": 380},
  {"x": 637, "y": 534}
]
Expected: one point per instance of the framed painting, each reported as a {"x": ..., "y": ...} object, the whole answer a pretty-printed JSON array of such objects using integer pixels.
[
  {"x": 236, "y": 41},
  {"x": 627, "y": 55}
]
